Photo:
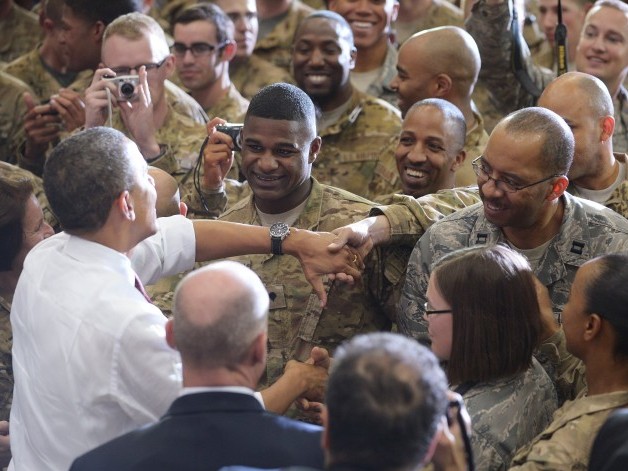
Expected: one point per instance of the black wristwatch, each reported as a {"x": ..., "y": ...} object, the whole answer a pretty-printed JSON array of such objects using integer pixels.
[{"x": 278, "y": 232}]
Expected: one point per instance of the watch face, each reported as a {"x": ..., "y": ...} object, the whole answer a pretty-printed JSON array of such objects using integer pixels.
[{"x": 279, "y": 229}]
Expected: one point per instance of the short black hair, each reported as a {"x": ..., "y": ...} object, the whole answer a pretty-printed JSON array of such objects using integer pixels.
[
  {"x": 347, "y": 33},
  {"x": 606, "y": 295},
  {"x": 104, "y": 11},
  {"x": 282, "y": 101},
  {"x": 84, "y": 175}
]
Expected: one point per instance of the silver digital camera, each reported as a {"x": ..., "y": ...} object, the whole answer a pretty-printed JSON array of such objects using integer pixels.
[{"x": 126, "y": 85}]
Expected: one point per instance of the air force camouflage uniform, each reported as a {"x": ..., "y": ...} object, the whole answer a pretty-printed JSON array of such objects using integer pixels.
[
  {"x": 296, "y": 321},
  {"x": 357, "y": 154},
  {"x": 490, "y": 26},
  {"x": 507, "y": 413},
  {"x": 587, "y": 231},
  {"x": 566, "y": 443}
]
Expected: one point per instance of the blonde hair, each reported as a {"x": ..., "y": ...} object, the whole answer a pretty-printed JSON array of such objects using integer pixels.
[{"x": 135, "y": 26}]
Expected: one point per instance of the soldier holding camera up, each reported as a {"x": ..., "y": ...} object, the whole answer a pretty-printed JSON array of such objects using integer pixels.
[{"x": 130, "y": 92}]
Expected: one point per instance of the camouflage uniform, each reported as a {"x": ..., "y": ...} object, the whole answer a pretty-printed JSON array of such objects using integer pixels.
[
  {"x": 232, "y": 107},
  {"x": 296, "y": 320},
  {"x": 19, "y": 33},
  {"x": 483, "y": 100},
  {"x": 9, "y": 170},
  {"x": 507, "y": 413},
  {"x": 380, "y": 87},
  {"x": 358, "y": 150},
  {"x": 30, "y": 69},
  {"x": 490, "y": 27},
  {"x": 276, "y": 47},
  {"x": 316, "y": 4},
  {"x": 566, "y": 443},
  {"x": 410, "y": 217},
  {"x": 474, "y": 145},
  {"x": 440, "y": 13},
  {"x": 12, "y": 109},
  {"x": 588, "y": 230},
  {"x": 182, "y": 133},
  {"x": 618, "y": 201},
  {"x": 256, "y": 73},
  {"x": 6, "y": 368}
]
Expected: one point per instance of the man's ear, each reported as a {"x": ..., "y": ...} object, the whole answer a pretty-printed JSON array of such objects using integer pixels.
[
  {"x": 607, "y": 125},
  {"x": 229, "y": 51},
  {"x": 98, "y": 29},
  {"x": 315, "y": 148},
  {"x": 353, "y": 53},
  {"x": 442, "y": 85},
  {"x": 169, "y": 65},
  {"x": 593, "y": 327},
  {"x": 124, "y": 205},
  {"x": 170, "y": 334},
  {"x": 559, "y": 186},
  {"x": 458, "y": 160}
]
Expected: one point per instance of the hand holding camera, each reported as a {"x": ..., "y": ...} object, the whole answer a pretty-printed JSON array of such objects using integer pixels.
[
  {"x": 223, "y": 138},
  {"x": 126, "y": 86}
]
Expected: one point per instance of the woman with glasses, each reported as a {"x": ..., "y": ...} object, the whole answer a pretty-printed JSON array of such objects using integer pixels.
[{"x": 484, "y": 321}]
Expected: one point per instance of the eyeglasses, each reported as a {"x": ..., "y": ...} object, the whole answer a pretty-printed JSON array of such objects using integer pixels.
[
  {"x": 482, "y": 173},
  {"x": 197, "y": 49},
  {"x": 429, "y": 311},
  {"x": 127, "y": 70}
]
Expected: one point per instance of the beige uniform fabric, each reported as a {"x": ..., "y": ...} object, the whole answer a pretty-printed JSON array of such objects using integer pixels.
[
  {"x": 232, "y": 107},
  {"x": 19, "y": 33},
  {"x": 12, "y": 110},
  {"x": 30, "y": 69},
  {"x": 474, "y": 145},
  {"x": 566, "y": 443},
  {"x": 256, "y": 73},
  {"x": 358, "y": 150},
  {"x": 440, "y": 13},
  {"x": 296, "y": 320},
  {"x": 276, "y": 47},
  {"x": 618, "y": 200}
]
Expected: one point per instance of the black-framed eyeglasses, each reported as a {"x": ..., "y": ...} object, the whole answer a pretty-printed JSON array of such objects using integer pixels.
[
  {"x": 127, "y": 70},
  {"x": 429, "y": 311},
  {"x": 503, "y": 185},
  {"x": 197, "y": 49}
]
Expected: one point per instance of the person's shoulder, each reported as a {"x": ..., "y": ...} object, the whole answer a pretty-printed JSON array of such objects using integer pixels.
[
  {"x": 343, "y": 197},
  {"x": 599, "y": 218},
  {"x": 374, "y": 107}
]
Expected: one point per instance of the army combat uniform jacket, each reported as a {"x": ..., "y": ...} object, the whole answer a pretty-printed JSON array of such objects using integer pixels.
[
  {"x": 357, "y": 154},
  {"x": 256, "y": 73},
  {"x": 19, "y": 33},
  {"x": 296, "y": 321},
  {"x": 30, "y": 69},
  {"x": 566, "y": 443}
]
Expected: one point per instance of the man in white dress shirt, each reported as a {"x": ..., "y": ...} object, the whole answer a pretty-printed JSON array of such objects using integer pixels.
[{"x": 89, "y": 354}]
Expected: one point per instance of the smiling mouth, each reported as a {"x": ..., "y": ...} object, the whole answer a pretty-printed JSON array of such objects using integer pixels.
[
  {"x": 267, "y": 178},
  {"x": 316, "y": 79},
  {"x": 415, "y": 173},
  {"x": 361, "y": 24}
]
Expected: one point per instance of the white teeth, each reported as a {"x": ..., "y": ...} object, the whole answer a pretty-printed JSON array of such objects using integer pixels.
[
  {"x": 267, "y": 178},
  {"x": 316, "y": 79},
  {"x": 414, "y": 173},
  {"x": 361, "y": 24}
]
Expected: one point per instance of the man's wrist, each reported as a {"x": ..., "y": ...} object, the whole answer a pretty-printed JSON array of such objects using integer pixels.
[{"x": 154, "y": 155}]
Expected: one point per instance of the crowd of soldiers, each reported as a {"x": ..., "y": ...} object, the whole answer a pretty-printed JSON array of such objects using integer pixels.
[{"x": 410, "y": 129}]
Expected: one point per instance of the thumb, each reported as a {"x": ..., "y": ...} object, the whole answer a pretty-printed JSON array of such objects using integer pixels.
[
  {"x": 319, "y": 288},
  {"x": 28, "y": 100}
]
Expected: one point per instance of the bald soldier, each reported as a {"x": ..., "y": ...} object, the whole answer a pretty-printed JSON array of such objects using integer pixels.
[
  {"x": 430, "y": 148},
  {"x": 443, "y": 63},
  {"x": 585, "y": 104}
]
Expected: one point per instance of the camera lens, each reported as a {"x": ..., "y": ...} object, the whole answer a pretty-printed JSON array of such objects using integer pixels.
[{"x": 127, "y": 89}]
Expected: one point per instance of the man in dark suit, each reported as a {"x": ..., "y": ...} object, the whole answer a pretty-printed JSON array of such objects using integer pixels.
[{"x": 220, "y": 329}]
